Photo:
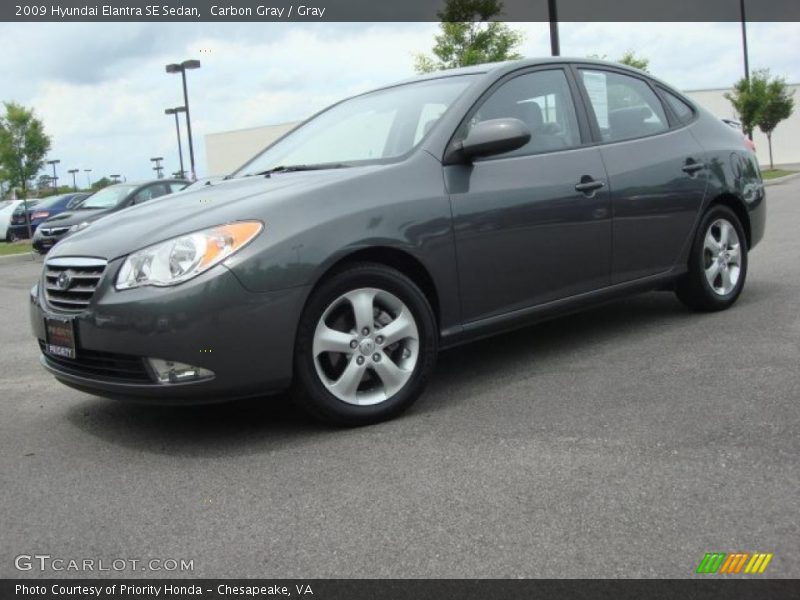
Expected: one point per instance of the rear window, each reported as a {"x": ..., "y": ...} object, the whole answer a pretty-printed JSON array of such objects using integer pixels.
[
  {"x": 682, "y": 110},
  {"x": 625, "y": 107}
]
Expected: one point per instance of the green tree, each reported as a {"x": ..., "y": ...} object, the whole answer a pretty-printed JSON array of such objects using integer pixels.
[
  {"x": 468, "y": 36},
  {"x": 44, "y": 182},
  {"x": 637, "y": 62},
  {"x": 628, "y": 58},
  {"x": 748, "y": 97},
  {"x": 777, "y": 105},
  {"x": 23, "y": 146},
  {"x": 762, "y": 101},
  {"x": 101, "y": 183}
]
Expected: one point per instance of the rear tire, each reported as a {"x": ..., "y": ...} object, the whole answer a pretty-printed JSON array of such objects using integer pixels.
[
  {"x": 717, "y": 262},
  {"x": 365, "y": 347}
]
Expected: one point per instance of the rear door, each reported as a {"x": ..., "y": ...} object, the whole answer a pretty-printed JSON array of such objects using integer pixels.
[
  {"x": 532, "y": 225},
  {"x": 656, "y": 174}
]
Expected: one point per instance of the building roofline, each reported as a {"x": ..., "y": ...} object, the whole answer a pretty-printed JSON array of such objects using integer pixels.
[
  {"x": 227, "y": 131},
  {"x": 726, "y": 89}
]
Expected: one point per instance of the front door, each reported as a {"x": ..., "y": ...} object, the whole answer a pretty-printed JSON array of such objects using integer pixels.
[{"x": 532, "y": 225}]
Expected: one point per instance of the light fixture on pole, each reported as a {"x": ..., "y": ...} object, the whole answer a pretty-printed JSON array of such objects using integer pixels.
[
  {"x": 115, "y": 178},
  {"x": 158, "y": 168},
  {"x": 175, "y": 111},
  {"x": 181, "y": 68},
  {"x": 55, "y": 177},
  {"x": 74, "y": 183}
]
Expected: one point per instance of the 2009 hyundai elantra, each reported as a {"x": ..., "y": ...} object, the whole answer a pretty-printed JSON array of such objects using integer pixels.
[{"x": 399, "y": 222}]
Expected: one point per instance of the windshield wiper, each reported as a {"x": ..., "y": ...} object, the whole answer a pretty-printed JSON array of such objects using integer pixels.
[{"x": 292, "y": 168}]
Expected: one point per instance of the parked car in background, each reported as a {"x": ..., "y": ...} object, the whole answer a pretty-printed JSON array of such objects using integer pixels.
[
  {"x": 43, "y": 209},
  {"x": 749, "y": 144},
  {"x": 103, "y": 202},
  {"x": 6, "y": 209},
  {"x": 412, "y": 218}
]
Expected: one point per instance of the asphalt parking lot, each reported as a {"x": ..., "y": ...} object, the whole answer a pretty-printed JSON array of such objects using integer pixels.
[{"x": 627, "y": 441}]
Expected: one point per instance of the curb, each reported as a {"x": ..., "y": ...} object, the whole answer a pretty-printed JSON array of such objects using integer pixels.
[
  {"x": 778, "y": 180},
  {"x": 22, "y": 257}
]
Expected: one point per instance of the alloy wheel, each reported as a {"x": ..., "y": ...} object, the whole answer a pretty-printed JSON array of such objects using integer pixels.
[
  {"x": 366, "y": 346},
  {"x": 722, "y": 257}
]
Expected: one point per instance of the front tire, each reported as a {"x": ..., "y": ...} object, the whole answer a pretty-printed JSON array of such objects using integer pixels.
[
  {"x": 365, "y": 347},
  {"x": 717, "y": 263}
]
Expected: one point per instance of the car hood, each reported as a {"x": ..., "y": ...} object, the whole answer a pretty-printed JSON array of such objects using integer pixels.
[
  {"x": 245, "y": 198},
  {"x": 68, "y": 218}
]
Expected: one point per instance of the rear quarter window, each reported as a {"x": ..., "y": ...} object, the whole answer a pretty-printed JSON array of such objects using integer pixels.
[{"x": 682, "y": 110}]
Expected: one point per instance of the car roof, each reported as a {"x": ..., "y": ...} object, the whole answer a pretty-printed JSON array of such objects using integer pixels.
[{"x": 498, "y": 68}]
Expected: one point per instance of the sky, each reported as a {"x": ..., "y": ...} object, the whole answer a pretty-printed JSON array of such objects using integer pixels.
[{"x": 101, "y": 89}]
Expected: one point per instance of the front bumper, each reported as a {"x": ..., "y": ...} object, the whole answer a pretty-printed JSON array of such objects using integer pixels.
[{"x": 246, "y": 339}]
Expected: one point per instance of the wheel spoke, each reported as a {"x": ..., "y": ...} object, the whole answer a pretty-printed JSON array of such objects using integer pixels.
[
  {"x": 401, "y": 328},
  {"x": 347, "y": 384},
  {"x": 735, "y": 255},
  {"x": 712, "y": 272},
  {"x": 362, "y": 303},
  {"x": 727, "y": 284},
  {"x": 724, "y": 233},
  {"x": 331, "y": 340},
  {"x": 711, "y": 244},
  {"x": 392, "y": 376}
]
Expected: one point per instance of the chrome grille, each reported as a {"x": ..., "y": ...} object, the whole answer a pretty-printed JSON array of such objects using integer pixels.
[
  {"x": 70, "y": 282},
  {"x": 53, "y": 230}
]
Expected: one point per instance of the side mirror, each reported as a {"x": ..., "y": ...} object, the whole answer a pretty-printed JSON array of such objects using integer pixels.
[{"x": 486, "y": 138}]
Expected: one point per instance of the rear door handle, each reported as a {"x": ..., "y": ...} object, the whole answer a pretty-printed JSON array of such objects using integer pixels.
[
  {"x": 691, "y": 167},
  {"x": 587, "y": 185}
]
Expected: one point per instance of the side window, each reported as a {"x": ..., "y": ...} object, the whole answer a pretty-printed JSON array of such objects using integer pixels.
[
  {"x": 176, "y": 187},
  {"x": 148, "y": 193},
  {"x": 683, "y": 111},
  {"x": 543, "y": 101},
  {"x": 625, "y": 107},
  {"x": 143, "y": 195}
]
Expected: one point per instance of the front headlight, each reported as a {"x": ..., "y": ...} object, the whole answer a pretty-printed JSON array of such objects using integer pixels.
[
  {"x": 179, "y": 259},
  {"x": 79, "y": 226}
]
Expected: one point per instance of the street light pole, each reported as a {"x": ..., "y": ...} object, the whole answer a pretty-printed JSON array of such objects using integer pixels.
[
  {"x": 88, "y": 179},
  {"x": 115, "y": 178},
  {"x": 175, "y": 111},
  {"x": 744, "y": 41},
  {"x": 555, "y": 45},
  {"x": 55, "y": 177},
  {"x": 158, "y": 168},
  {"x": 74, "y": 183},
  {"x": 181, "y": 68}
]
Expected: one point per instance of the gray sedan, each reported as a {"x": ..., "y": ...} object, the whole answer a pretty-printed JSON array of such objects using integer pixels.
[{"x": 399, "y": 222}]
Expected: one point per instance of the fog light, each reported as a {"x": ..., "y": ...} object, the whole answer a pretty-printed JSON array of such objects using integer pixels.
[{"x": 169, "y": 371}]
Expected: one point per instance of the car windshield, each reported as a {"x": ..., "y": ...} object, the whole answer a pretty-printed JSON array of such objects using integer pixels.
[
  {"x": 21, "y": 206},
  {"x": 108, "y": 197},
  {"x": 372, "y": 128},
  {"x": 49, "y": 202}
]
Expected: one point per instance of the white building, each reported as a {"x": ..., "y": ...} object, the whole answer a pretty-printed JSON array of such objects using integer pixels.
[
  {"x": 227, "y": 150},
  {"x": 785, "y": 138}
]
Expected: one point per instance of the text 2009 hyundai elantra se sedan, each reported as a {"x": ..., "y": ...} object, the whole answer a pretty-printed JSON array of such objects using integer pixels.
[{"x": 398, "y": 222}]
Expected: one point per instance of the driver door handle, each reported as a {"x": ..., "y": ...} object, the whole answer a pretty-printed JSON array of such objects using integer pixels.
[{"x": 587, "y": 185}]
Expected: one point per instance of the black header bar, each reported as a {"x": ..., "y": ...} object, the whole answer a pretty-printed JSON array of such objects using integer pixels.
[{"x": 390, "y": 11}]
